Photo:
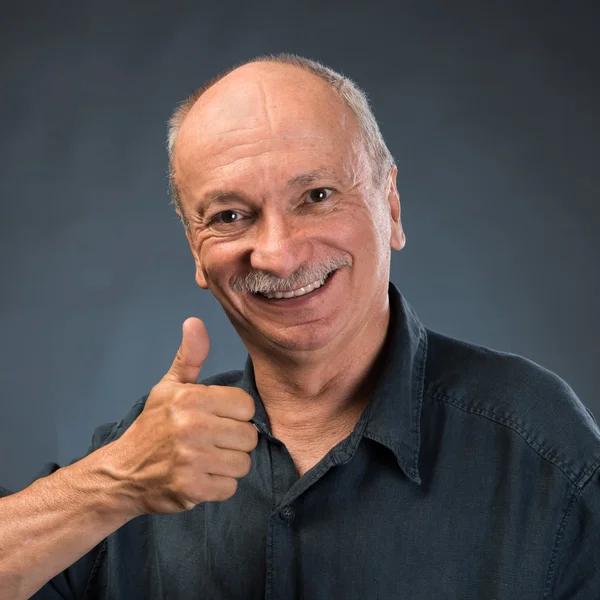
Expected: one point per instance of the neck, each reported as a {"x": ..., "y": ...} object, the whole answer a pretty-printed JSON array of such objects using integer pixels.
[{"x": 308, "y": 395}]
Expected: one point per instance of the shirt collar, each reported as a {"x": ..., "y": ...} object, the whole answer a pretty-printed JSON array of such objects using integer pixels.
[
  {"x": 396, "y": 408},
  {"x": 395, "y": 412}
]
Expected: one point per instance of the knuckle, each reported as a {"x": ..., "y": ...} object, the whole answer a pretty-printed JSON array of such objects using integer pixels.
[
  {"x": 228, "y": 488},
  {"x": 249, "y": 406},
  {"x": 250, "y": 437},
  {"x": 243, "y": 402},
  {"x": 207, "y": 395},
  {"x": 254, "y": 437},
  {"x": 186, "y": 494},
  {"x": 180, "y": 417},
  {"x": 182, "y": 455},
  {"x": 154, "y": 390},
  {"x": 187, "y": 421},
  {"x": 239, "y": 465},
  {"x": 155, "y": 396},
  {"x": 246, "y": 464},
  {"x": 185, "y": 503},
  {"x": 176, "y": 489},
  {"x": 179, "y": 354},
  {"x": 178, "y": 394},
  {"x": 183, "y": 396},
  {"x": 181, "y": 421},
  {"x": 218, "y": 488},
  {"x": 202, "y": 489}
]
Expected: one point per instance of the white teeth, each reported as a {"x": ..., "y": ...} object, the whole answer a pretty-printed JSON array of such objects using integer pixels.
[{"x": 307, "y": 289}]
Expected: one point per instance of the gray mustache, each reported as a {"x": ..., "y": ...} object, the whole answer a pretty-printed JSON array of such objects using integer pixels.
[{"x": 262, "y": 282}]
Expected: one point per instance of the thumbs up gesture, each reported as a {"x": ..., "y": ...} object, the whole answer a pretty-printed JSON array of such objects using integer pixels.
[{"x": 191, "y": 443}]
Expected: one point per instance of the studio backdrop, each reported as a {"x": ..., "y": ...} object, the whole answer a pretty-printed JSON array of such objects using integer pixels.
[{"x": 490, "y": 110}]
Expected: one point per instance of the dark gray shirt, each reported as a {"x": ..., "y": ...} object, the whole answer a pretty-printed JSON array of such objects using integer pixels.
[{"x": 473, "y": 474}]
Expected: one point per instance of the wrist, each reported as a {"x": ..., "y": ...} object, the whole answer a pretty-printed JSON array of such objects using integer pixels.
[{"x": 96, "y": 481}]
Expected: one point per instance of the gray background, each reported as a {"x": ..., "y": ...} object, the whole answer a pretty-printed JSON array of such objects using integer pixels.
[{"x": 491, "y": 110}]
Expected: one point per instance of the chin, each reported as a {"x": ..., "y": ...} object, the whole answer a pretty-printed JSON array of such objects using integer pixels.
[
  {"x": 301, "y": 341},
  {"x": 298, "y": 345}
]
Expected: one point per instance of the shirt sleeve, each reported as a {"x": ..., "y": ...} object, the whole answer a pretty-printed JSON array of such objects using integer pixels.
[
  {"x": 71, "y": 583},
  {"x": 578, "y": 558},
  {"x": 66, "y": 585},
  {"x": 101, "y": 435}
]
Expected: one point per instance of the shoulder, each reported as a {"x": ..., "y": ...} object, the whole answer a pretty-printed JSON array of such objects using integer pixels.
[
  {"x": 513, "y": 391},
  {"x": 231, "y": 378}
]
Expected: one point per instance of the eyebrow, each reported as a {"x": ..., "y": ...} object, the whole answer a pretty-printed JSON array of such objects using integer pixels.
[
  {"x": 310, "y": 177},
  {"x": 298, "y": 181}
]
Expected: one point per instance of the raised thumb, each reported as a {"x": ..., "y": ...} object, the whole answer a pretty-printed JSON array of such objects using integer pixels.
[{"x": 191, "y": 354}]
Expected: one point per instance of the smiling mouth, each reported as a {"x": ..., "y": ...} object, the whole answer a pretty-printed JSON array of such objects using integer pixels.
[{"x": 302, "y": 291}]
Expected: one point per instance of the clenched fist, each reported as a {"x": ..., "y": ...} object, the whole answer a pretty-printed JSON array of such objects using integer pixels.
[{"x": 191, "y": 442}]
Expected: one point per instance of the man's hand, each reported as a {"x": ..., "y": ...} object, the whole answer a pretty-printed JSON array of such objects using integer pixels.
[{"x": 191, "y": 442}]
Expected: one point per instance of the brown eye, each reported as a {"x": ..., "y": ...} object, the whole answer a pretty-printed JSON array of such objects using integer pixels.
[
  {"x": 320, "y": 194},
  {"x": 226, "y": 216},
  {"x": 229, "y": 221}
]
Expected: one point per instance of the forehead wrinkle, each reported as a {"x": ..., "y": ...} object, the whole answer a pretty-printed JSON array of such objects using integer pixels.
[
  {"x": 271, "y": 99},
  {"x": 346, "y": 172},
  {"x": 272, "y": 96},
  {"x": 230, "y": 158},
  {"x": 267, "y": 109},
  {"x": 237, "y": 108},
  {"x": 269, "y": 141},
  {"x": 269, "y": 95}
]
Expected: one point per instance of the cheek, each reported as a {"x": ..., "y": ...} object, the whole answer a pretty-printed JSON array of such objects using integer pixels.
[
  {"x": 381, "y": 222},
  {"x": 367, "y": 240},
  {"x": 219, "y": 261},
  {"x": 360, "y": 233}
]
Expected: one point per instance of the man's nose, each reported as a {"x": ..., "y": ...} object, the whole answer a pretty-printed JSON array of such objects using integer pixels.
[{"x": 279, "y": 247}]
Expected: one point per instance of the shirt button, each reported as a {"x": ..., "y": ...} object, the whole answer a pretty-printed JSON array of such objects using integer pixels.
[{"x": 287, "y": 513}]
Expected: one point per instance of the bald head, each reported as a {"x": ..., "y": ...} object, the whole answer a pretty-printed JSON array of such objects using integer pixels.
[
  {"x": 278, "y": 98},
  {"x": 266, "y": 105},
  {"x": 273, "y": 97}
]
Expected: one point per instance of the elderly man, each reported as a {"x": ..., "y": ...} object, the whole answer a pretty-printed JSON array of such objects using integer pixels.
[{"x": 358, "y": 455}]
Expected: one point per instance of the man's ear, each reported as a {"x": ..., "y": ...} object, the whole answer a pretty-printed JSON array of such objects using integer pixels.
[
  {"x": 397, "y": 237},
  {"x": 200, "y": 278}
]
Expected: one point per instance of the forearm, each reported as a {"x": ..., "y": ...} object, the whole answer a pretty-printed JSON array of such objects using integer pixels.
[{"x": 48, "y": 526}]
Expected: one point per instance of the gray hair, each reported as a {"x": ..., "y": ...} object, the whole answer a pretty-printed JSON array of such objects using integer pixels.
[
  {"x": 263, "y": 282},
  {"x": 378, "y": 153}
]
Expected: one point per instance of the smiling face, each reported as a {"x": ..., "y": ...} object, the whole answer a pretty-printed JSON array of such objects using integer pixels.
[{"x": 278, "y": 193}]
